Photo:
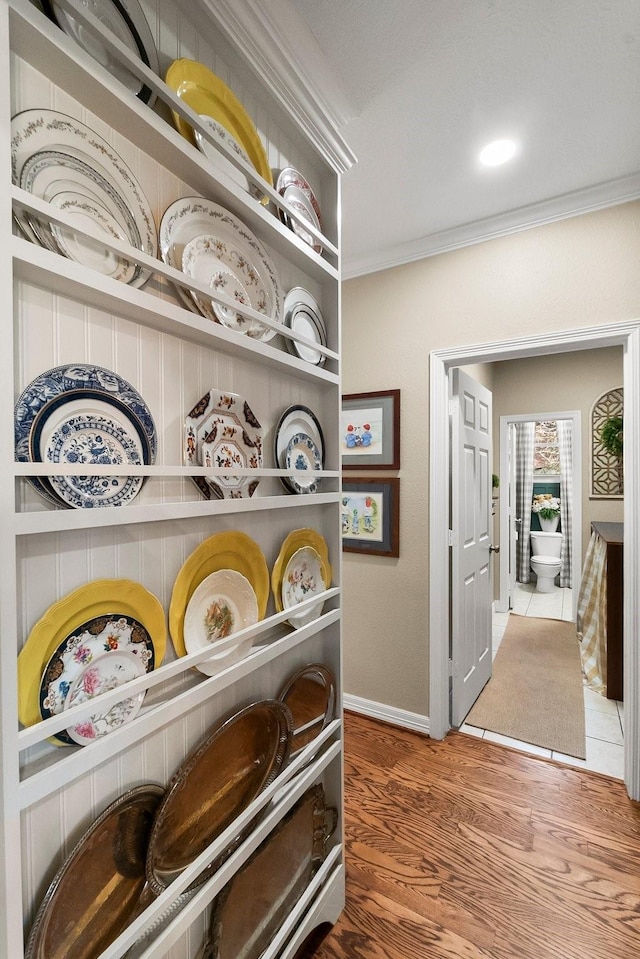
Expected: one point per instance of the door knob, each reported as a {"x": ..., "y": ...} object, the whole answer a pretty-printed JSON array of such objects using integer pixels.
[{"x": 494, "y": 549}]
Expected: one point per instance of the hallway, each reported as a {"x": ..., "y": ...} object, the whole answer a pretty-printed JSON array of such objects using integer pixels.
[{"x": 604, "y": 718}]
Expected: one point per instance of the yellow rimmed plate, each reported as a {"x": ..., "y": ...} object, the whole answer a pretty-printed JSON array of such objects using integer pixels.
[
  {"x": 229, "y": 550},
  {"x": 98, "y": 598},
  {"x": 299, "y": 539},
  {"x": 209, "y": 96}
]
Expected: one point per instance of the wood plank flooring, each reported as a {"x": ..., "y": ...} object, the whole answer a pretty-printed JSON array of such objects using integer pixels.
[{"x": 467, "y": 849}]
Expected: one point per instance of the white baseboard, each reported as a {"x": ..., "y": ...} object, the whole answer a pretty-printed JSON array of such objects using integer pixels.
[{"x": 387, "y": 714}]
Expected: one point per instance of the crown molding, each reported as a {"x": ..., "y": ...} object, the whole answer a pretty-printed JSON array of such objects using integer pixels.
[
  {"x": 598, "y": 197},
  {"x": 281, "y": 50}
]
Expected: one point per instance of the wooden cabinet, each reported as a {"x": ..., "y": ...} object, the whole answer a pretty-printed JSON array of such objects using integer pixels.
[{"x": 58, "y": 311}]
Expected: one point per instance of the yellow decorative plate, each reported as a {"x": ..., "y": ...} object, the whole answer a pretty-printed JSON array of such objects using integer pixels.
[
  {"x": 208, "y": 96},
  {"x": 99, "y": 598},
  {"x": 230, "y": 550},
  {"x": 298, "y": 539}
]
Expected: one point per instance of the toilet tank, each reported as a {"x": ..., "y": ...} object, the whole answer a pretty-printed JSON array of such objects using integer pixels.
[{"x": 546, "y": 544}]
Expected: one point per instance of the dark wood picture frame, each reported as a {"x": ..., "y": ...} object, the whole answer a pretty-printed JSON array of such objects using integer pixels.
[
  {"x": 370, "y": 430},
  {"x": 375, "y": 528}
]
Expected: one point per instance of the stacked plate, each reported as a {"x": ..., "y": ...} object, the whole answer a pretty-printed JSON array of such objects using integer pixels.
[
  {"x": 302, "y": 315},
  {"x": 221, "y": 432},
  {"x": 63, "y": 161},
  {"x": 222, "y": 587},
  {"x": 299, "y": 447},
  {"x": 127, "y": 22},
  {"x": 93, "y": 640},
  {"x": 301, "y": 571},
  {"x": 225, "y": 118},
  {"x": 79, "y": 414},
  {"x": 294, "y": 188},
  {"x": 211, "y": 245}
]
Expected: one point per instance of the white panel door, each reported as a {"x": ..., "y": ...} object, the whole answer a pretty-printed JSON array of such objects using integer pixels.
[{"x": 471, "y": 542}]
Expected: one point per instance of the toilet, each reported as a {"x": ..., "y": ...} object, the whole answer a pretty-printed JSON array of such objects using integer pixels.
[{"x": 545, "y": 559}]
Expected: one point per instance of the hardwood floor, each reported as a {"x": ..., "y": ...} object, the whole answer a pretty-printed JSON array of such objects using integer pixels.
[{"x": 467, "y": 849}]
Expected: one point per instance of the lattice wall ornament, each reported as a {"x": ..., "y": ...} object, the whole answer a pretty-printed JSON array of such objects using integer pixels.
[{"x": 606, "y": 469}]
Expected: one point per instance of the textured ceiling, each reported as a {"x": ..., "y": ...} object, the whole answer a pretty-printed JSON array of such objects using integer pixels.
[{"x": 428, "y": 82}]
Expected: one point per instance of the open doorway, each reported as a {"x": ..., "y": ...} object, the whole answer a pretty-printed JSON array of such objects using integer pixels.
[{"x": 625, "y": 335}]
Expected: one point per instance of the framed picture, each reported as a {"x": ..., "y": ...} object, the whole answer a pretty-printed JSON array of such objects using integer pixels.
[
  {"x": 370, "y": 430},
  {"x": 371, "y": 516}
]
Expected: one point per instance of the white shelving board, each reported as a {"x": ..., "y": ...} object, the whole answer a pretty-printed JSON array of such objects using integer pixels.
[{"x": 62, "y": 313}]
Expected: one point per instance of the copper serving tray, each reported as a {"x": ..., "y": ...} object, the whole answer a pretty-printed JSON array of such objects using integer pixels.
[
  {"x": 215, "y": 783},
  {"x": 254, "y": 904},
  {"x": 96, "y": 891},
  {"x": 310, "y": 696}
]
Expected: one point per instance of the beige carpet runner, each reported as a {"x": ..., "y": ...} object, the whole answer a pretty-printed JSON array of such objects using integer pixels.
[{"x": 535, "y": 693}]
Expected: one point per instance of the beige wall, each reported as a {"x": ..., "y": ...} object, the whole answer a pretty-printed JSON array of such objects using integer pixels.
[{"x": 571, "y": 274}]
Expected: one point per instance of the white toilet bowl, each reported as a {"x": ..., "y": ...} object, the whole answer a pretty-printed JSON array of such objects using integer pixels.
[{"x": 545, "y": 559}]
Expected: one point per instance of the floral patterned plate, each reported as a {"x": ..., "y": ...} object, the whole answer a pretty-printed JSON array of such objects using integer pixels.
[
  {"x": 220, "y": 135},
  {"x": 303, "y": 577},
  {"x": 303, "y": 454},
  {"x": 296, "y": 540},
  {"x": 224, "y": 267},
  {"x": 92, "y": 214},
  {"x": 290, "y": 177},
  {"x": 222, "y": 432},
  {"x": 195, "y": 216},
  {"x": 223, "y": 603},
  {"x": 84, "y": 647},
  {"x": 296, "y": 419},
  {"x": 113, "y": 613},
  {"x": 102, "y": 674}
]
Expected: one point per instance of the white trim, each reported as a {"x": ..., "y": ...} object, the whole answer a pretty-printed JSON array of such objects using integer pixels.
[
  {"x": 598, "y": 197},
  {"x": 615, "y": 334},
  {"x": 576, "y": 478},
  {"x": 282, "y": 52},
  {"x": 387, "y": 714}
]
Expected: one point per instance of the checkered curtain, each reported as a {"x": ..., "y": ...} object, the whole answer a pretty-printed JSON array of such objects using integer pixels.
[
  {"x": 566, "y": 499},
  {"x": 525, "y": 435}
]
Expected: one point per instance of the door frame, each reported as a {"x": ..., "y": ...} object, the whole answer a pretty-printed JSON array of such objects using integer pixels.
[
  {"x": 575, "y": 418},
  {"x": 626, "y": 335}
]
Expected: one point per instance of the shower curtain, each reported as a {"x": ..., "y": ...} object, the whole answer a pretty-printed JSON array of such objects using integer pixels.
[
  {"x": 525, "y": 434},
  {"x": 566, "y": 498},
  {"x": 525, "y": 437}
]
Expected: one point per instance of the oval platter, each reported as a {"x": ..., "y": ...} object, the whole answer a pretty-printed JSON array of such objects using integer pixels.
[
  {"x": 215, "y": 783},
  {"x": 96, "y": 891}
]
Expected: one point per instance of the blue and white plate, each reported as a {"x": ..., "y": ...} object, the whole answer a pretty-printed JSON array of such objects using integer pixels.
[
  {"x": 85, "y": 388},
  {"x": 303, "y": 454},
  {"x": 94, "y": 440}
]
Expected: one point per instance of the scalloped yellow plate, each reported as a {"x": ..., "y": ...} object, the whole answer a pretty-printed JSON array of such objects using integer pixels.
[
  {"x": 207, "y": 95},
  {"x": 97, "y": 598},
  {"x": 297, "y": 539},
  {"x": 229, "y": 550}
]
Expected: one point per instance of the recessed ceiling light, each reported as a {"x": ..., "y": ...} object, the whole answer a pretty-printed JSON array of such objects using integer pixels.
[{"x": 497, "y": 152}]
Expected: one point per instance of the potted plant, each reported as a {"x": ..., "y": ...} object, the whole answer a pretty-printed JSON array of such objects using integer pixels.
[
  {"x": 547, "y": 508},
  {"x": 612, "y": 436}
]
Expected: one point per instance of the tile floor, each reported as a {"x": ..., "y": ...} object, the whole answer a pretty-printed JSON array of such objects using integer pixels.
[{"x": 604, "y": 719}]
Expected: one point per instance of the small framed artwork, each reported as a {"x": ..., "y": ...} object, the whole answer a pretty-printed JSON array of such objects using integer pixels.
[
  {"x": 371, "y": 516},
  {"x": 370, "y": 430}
]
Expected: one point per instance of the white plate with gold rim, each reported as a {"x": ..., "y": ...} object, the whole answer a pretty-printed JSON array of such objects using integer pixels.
[{"x": 222, "y": 604}]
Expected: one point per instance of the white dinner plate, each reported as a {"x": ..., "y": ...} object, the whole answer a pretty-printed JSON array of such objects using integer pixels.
[
  {"x": 195, "y": 216},
  {"x": 302, "y": 315},
  {"x": 68, "y": 149},
  {"x": 302, "y": 579},
  {"x": 126, "y": 20}
]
